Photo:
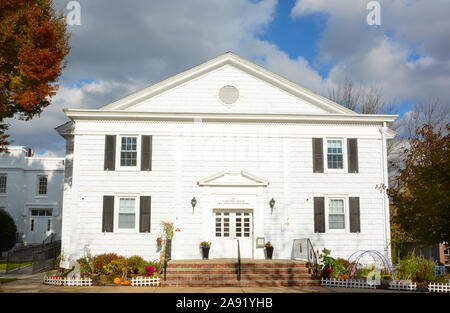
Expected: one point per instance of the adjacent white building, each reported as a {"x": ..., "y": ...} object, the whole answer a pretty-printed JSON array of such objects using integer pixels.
[
  {"x": 31, "y": 191},
  {"x": 262, "y": 156}
]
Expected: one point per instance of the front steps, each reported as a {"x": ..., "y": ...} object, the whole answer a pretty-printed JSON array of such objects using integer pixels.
[{"x": 224, "y": 273}]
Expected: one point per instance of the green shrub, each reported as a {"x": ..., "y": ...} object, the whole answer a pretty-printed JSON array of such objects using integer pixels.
[
  {"x": 8, "y": 231},
  {"x": 85, "y": 267},
  {"x": 157, "y": 265},
  {"x": 115, "y": 267},
  {"x": 416, "y": 268},
  {"x": 101, "y": 260},
  {"x": 135, "y": 264},
  {"x": 328, "y": 261}
]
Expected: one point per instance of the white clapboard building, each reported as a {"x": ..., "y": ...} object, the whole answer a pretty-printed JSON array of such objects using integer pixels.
[
  {"x": 31, "y": 191},
  {"x": 264, "y": 158}
]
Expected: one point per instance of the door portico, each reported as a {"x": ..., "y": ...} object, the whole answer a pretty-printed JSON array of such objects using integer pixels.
[{"x": 232, "y": 213}]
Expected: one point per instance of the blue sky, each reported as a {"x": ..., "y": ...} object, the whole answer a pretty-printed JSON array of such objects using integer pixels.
[
  {"x": 123, "y": 46},
  {"x": 297, "y": 37}
]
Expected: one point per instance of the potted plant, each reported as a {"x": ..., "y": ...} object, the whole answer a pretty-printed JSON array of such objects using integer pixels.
[
  {"x": 205, "y": 245},
  {"x": 168, "y": 231},
  {"x": 269, "y": 250}
]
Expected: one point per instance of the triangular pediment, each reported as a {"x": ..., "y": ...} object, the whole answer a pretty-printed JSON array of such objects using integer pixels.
[
  {"x": 241, "y": 178},
  {"x": 227, "y": 84}
]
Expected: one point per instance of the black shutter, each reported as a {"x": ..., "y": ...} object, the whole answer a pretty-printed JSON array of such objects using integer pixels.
[
  {"x": 355, "y": 225},
  {"x": 352, "y": 154},
  {"x": 108, "y": 214},
  {"x": 145, "y": 214},
  {"x": 319, "y": 214},
  {"x": 146, "y": 153},
  {"x": 110, "y": 152},
  {"x": 317, "y": 155}
]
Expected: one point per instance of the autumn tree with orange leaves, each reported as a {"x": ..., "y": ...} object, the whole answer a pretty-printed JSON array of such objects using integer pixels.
[
  {"x": 33, "y": 45},
  {"x": 421, "y": 195}
]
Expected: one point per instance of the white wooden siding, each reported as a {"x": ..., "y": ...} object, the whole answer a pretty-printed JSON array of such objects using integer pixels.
[
  {"x": 201, "y": 95},
  {"x": 184, "y": 153}
]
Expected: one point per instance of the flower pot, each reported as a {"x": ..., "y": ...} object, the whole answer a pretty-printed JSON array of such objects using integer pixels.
[
  {"x": 269, "y": 252},
  {"x": 205, "y": 253}
]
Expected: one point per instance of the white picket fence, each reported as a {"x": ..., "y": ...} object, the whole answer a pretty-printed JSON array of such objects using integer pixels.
[
  {"x": 145, "y": 281},
  {"x": 59, "y": 281},
  {"x": 401, "y": 285},
  {"x": 438, "y": 287},
  {"x": 348, "y": 283}
]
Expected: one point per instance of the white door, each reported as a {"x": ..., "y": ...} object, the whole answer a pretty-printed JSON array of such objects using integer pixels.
[
  {"x": 231, "y": 226},
  {"x": 40, "y": 224}
]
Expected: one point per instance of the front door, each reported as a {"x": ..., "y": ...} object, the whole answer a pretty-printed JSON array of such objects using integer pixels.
[
  {"x": 40, "y": 224},
  {"x": 230, "y": 227}
]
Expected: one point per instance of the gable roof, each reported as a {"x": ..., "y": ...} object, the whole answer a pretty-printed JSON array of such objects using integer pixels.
[{"x": 238, "y": 62}]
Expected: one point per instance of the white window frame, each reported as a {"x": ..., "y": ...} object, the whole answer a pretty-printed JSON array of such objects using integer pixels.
[
  {"x": 138, "y": 153},
  {"x": 344, "y": 156},
  {"x": 38, "y": 184},
  {"x": 346, "y": 228},
  {"x": 6, "y": 185},
  {"x": 117, "y": 198}
]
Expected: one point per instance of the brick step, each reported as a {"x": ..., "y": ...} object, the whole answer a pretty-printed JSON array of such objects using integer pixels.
[
  {"x": 234, "y": 277},
  {"x": 242, "y": 283},
  {"x": 234, "y": 265},
  {"x": 261, "y": 271}
]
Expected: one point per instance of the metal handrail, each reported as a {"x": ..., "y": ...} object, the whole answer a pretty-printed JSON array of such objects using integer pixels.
[
  {"x": 312, "y": 258},
  {"x": 239, "y": 262}
]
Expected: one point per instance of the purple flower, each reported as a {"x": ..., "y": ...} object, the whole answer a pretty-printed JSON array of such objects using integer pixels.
[
  {"x": 326, "y": 272},
  {"x": 149, "y": 270}
]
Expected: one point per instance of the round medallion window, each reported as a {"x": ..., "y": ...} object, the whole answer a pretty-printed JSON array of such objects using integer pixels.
[{"x": 228, "y": 94}]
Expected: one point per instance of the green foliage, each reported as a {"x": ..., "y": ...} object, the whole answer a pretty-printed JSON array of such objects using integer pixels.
[
  {"x": 85, "y": 267},
  {"x": 101, "y": 260},
  {"x": 168, "y": 229},
  {"x": 158, "y": 265},
  {"x": 115, "y": 267},
  {"x": 421, "y": 195},
  {"x": 327, "y": 261},
  {"x": 416, "y": 268},
  {"x": 135, "y": 264},
  {"x": 8, "y": 231}
]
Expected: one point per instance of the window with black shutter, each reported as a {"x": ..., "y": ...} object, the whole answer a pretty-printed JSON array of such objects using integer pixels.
[
  {"x": 108, "y": 214},
  {"x": 110, "y": 153},
  {"x": 146, "y": 153},
  {"x": 145, "y": 214},
  {"x": 319, "y": 214},
  {"x": 317, "y": 155},
  {"x": 352, "y": 155},
  {"x": 355, "y": 224}
]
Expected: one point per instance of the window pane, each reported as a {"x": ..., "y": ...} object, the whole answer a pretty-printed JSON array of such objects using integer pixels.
[
  {"x": 128, "y": 151},
  {"x": 127, "y": 205},
  {"x": 3, "y": 181},
  {"x": 336, "y": 206},
  {"x": 42, "y": 187},
  {"x": 335, "y": 156},
  {"x": 336, "y": 221},
  {"x": 126, "y": 220}
]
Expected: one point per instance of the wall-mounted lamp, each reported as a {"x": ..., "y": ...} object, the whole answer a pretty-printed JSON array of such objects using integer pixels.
[
  {"x": 193, "y": 203},
  {"x": 272, "y": 204}
]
